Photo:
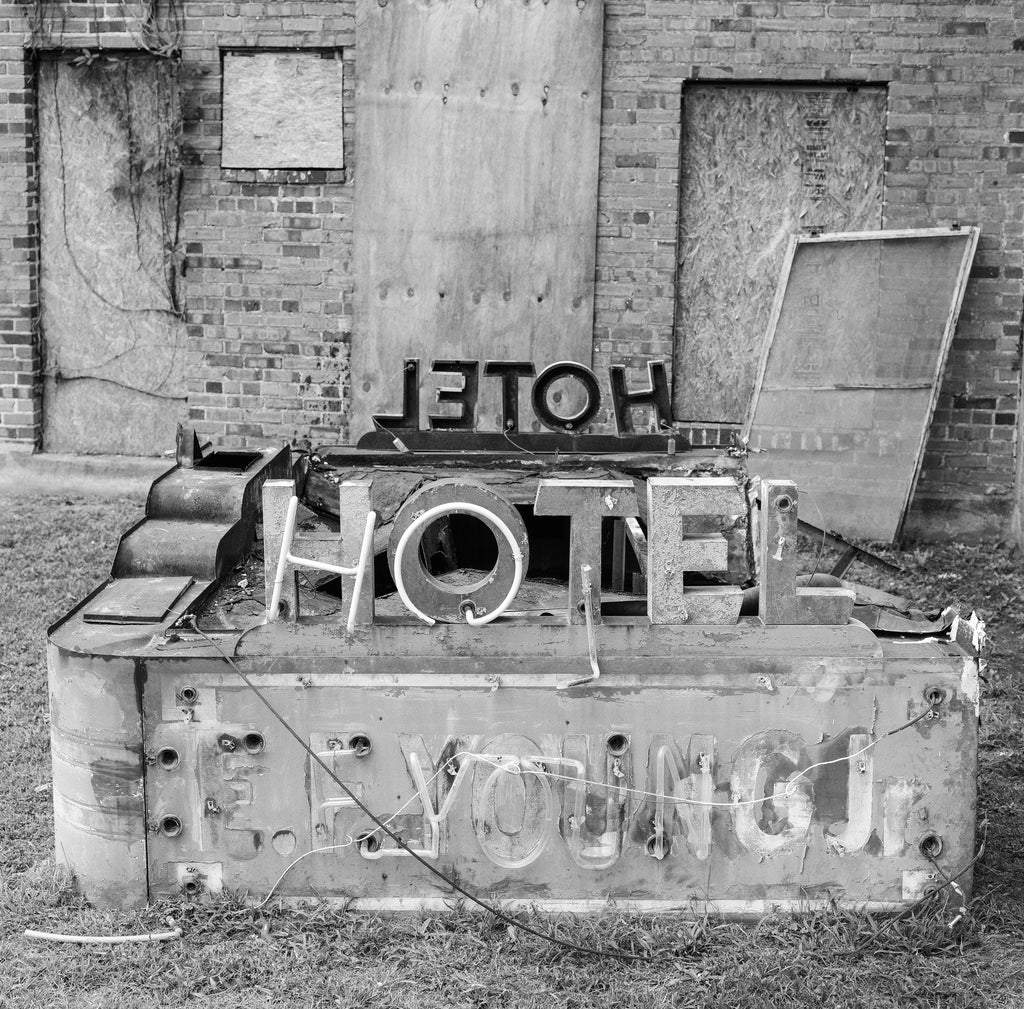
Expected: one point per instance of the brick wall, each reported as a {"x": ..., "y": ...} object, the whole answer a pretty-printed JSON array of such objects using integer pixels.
[
  {"x": 268, "y": 285},
  {"x": 20, "y": 407}
]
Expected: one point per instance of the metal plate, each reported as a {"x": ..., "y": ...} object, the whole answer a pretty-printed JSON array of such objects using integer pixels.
[
  {"x": 136, "y": 600},
  {"x": 729, "y": 728}
]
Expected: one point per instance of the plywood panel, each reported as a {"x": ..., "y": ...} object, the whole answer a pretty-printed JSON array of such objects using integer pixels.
[
  {"x": 851, "y": 371},
  {"x": 476, "y": 190},
  {"x": 114, "y": 344},
  {"x": 282, "y": 110},
  {"x": 759, "y": 164}
]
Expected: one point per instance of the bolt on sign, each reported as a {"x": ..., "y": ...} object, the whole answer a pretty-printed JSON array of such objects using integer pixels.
[{"x": 624, "y": 712}]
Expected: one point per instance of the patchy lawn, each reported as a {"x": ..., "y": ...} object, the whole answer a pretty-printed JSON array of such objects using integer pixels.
[{"x": 55, "y": 549}]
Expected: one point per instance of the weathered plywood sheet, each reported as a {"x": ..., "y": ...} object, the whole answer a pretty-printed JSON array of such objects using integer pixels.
[
  {"x": 759, "y": 164},
  {"x": 114, "y": 343},
  {"x": 282, "y": 110},
  {"x": 851, "y": 372},
  {"x": 476, "y": 192}
]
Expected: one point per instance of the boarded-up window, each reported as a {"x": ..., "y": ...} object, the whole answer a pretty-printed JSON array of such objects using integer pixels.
[
  {"x": 111, "y": 313},
  {"x": 852, "y": 368},
  {"x": 759, "y": 164},
  {"x": 282, "y": 110}
]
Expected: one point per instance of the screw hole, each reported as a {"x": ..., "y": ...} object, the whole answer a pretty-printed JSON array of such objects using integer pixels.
[
  {"x": 170, "y": 826},
  {"x": 188, "y": 695},
  {"x": 254, "y": 742},
  {"x": 934, "y": 696},
  {"x": 617, "y": 744},
  {"x": 656, "y": 846},
  {"x": 361, "y": 744},
  {"x": 930, "y": 846},
  {"x": 168, "y": 758},
  {"x": 784, "y": 502},
  {"x": 368, "y": 842},
  {"x": 191, "y": 887}
]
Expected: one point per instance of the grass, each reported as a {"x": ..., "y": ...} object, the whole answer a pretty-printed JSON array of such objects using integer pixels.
[{"x": 55, "y": 549}]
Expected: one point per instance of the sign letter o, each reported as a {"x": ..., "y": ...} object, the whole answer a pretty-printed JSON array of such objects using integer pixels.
[
  {"x": 444, "y": 601},
  {"x": 591, "y": 391}
]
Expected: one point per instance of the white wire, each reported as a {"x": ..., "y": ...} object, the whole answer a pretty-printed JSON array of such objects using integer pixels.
[
  {"x": 348, "y": 844},
  {"x": 535, "y": 762},
  {"x": 515, "y": 768}
]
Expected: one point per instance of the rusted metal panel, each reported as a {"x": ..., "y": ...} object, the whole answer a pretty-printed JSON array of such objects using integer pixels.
[
  {"x": 459, "y": 245},
  {"x": 720, "y": 715},
  {"x": 850, "y": 371},
  {"x": 137, "y": 600},
  {"x": 99, "y": 808}
]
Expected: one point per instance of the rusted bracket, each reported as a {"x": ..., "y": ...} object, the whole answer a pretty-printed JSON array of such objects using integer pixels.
[{"x": 588, "y": 612}]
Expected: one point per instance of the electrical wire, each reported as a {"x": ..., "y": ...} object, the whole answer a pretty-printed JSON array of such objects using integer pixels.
[
  {"x": 788, "y": 791},
  {"x": 948, "y": 881},
  {"x": 491, "y": 909},
  {"x": 516, "y": 768},
  {"x": 348, "y": 844},
  {"x": 824, "y": 532}
]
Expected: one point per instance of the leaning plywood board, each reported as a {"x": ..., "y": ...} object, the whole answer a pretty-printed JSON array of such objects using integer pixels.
[
  {"x": 476, "y": 192},
  {"x": 851, "y": 368},
  {"x": 759, "y": 163}
]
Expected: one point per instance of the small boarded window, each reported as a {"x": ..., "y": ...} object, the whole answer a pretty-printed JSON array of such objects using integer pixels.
[{"x": 282, "y": 110}]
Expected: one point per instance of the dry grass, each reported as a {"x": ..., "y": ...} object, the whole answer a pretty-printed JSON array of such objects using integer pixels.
[{"x": 55, "y": 549}]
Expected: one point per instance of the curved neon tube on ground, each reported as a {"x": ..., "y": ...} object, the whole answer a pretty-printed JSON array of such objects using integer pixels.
[
  {"x": 466, "y": 507},
  {"x": 103, "y": 939},
  {"x": 287, "y": 556}
]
